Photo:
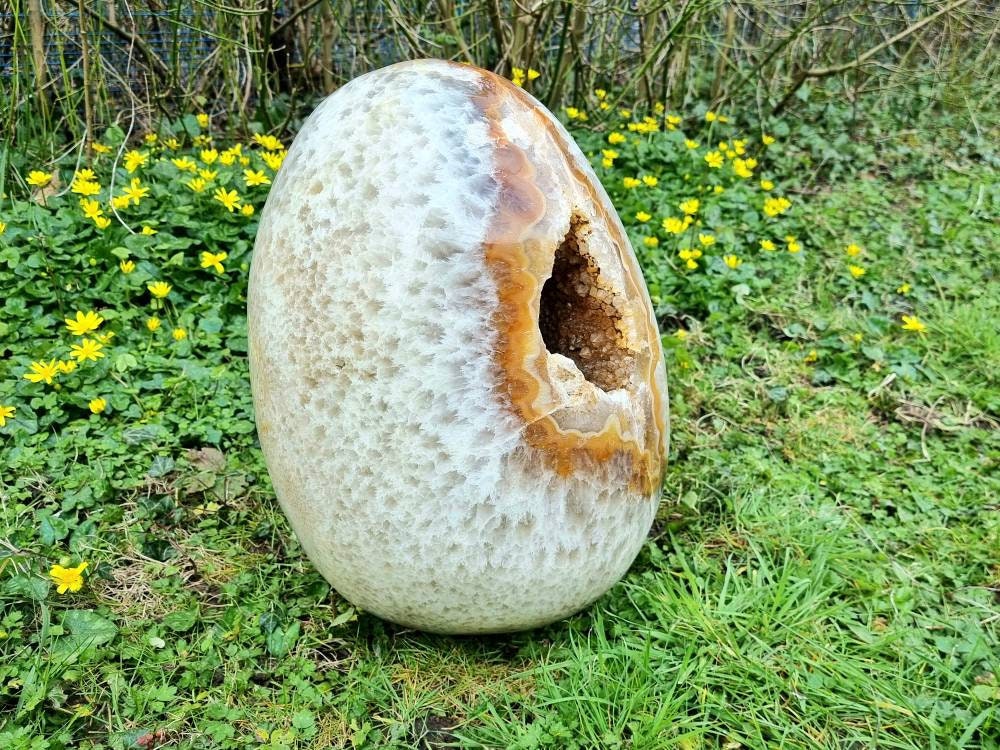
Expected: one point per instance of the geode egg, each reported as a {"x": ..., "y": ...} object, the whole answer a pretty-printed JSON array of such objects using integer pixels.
[{"x": 458, "y": 380}]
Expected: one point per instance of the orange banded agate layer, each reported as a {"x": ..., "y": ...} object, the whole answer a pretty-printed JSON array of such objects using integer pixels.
[
  {"x": 457, "y": 378},
  {"x": 522, "y": 262}
]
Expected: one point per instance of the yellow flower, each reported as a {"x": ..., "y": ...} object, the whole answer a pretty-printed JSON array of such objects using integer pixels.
[
  {"x": 246, "y": 209},
  {"x": 134, "y": 160},
  {"x": 39, "y": 179},
  {"x": 184, "y": 164},
  {"x": 741, "y": 169},
  {"x": 609, "y": 153},
  {"x": 673, "y": 225},
  {"x": 575, "y": 114},
  {"x": 172, "y": 143},
  {"x": 42, "y": 370},
  {"x": 710, "y": 116},
  {"x": 153, "y": 324},
  {"x": 732, "y": 261},
  {"x": 102, "y": 222},
  {"x": 100, "y": 148},
  {"x": 751, "y": 163},
  {"x": 615, "y": 138},
  {"x": 148, "y": 231},
  {"x": 159, "y": 289},
  {"x": 903, "y": 288},
  {"x": 600, "y": 93},
  {"x": 150, "y": 138},
  {"x": 3, "y": 227},
  {"x": 208, "y": 174},
  {"x": 87, "y": 349},
  {"x": 690, "y": 206},
  {"x": 105, "y": 337},
  {"x": 913, "y": 323},
  {"x": 213, "y": 260},
  {"x": 766, "y": 245},
  {"x": 91, "y": 208},
  {"x": 690, "y": 257},
  {"x": 226, "y": 158},
  {"x": 202, "y": 119},
  {"x": 127, "y": 266},
  {"x": 856, "y": 271},
  {"x": 269, "y": 142},
  {"x": 857, "y": 338},
  {"x": 811, "y": 357},
  {"x": 230, "y": 199},
  {"x": 714, "y": 159},
  {"x": 642, "y": 216},
  {"x": 532, "y": 75},
  {"x": 120, "y": 201},
  {"x": 6, "y": 412},
  {"x": 723, "y": 118},
  {"x": 680, "y": 334},
  {"x": 84, "y": 322},
  {"x": 776, "y": 206},
  {"x": 135, "y": 192},
  {"x": 649, "y": 180},
  {"x": 68, "y": 579},
  {"x": 209, "y": 155},
  {"x": 852, "y": 250},
  {"x": 201, "y": 140},
  {"x": 97, "y": 405},
  {"x": 690, "y": 144},
  {"x": 766, "y": 185},
  {"x": 255, "y": 178},
  {"x": 179, "y": 334},
  {"x": 81, "y": 186},
  {"x": 740, "y": 147},
  {"x": 767, "y": 139},
  {"x": 607, "y": 163},
  {"x": 197, "y": 184},
  {"x": 273, "y": 160},
  {"x": 707, "y": 240},
  {"x": 659, "y": 108},
  {"x": 517, "y": 76},
  {"x": 793, "y": 246},
  {"x": 723, "y": 146},
  {"x": 631, "y": 182},
  {"x": 650, "y": 241},
  {"x": 718, "y": 189},
  {"x": 66, "y": 366},
  {"x": 674, "y": 119},
  {"x": 245, "y": 161}
]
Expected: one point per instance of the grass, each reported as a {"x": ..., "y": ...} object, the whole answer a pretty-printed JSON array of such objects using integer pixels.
[{"x": 824, "y": 572}]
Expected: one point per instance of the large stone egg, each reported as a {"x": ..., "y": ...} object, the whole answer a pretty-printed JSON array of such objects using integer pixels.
[{"x": 457, "y": 374}]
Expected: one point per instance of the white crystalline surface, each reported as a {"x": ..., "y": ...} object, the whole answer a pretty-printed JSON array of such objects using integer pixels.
[{"x": 380, "y": 408}]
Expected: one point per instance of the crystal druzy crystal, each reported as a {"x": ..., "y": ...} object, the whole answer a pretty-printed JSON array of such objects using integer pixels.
[{"x": 457, "y": 374}]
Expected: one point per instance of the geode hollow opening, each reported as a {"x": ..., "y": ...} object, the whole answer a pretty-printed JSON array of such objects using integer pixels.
[{"x": 579, "y": 314}]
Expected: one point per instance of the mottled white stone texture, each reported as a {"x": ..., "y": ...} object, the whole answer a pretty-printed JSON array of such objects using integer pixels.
[{"x": 457, "y": 375}]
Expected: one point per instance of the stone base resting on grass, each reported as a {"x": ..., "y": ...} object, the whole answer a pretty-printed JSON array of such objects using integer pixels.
[{"x": 457, "y": 374}]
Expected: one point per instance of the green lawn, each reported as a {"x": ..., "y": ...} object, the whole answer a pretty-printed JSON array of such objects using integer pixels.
[{"x": 825, "y": 570}]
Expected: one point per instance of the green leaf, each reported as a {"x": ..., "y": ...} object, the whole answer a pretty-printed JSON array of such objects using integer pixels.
[
  {"x": 182, "y": 620},
  {"x": 33, "y": 587},
  {"x": 88, "y": 627},
  {"x": 281, "y": 640}
]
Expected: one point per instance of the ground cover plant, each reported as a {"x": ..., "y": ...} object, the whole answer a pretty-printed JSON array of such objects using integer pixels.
[{"x": 825, "y": 570}]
